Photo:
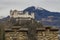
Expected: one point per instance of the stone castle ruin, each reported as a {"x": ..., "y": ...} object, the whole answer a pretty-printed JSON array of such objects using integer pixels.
[
  {"x": 22, "y": 26},
  {"x": 21, "y": 14}
]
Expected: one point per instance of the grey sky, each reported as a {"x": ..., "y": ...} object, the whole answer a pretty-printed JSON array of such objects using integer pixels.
[{"x": 6, "y": 5}]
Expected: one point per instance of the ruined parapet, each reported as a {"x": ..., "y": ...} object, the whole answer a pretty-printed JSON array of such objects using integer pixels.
[
  {"x": 21, "y": 14},
  {"x": 47, "y": 33}
]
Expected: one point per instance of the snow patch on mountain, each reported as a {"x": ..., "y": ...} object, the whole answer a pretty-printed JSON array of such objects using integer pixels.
[{"x": 40, "y": 8}]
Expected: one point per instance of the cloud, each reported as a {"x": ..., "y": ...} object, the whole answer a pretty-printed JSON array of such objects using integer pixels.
[
  {"x": 51, "y": 5},
  {"x": 50, "y": 16},
  {"x": 43, "y": 19},
  {"x": 48, "y": 20},
  {"x": 2, "y": 8}
]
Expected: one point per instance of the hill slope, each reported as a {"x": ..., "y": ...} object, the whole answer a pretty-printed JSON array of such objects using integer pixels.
[{"x": 45, "y": 16}]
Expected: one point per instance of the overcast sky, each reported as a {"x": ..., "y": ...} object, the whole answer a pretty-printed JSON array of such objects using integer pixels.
[{"x": 7, "y": 5}]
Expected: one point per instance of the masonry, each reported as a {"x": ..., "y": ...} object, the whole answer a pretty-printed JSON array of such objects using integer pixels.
[
  {"x": 23, "y": 34},
  {"x": 26, "y": 28}
]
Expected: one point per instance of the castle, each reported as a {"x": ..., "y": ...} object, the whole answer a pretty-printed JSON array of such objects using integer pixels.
[
  {"x": 22, "y": 26},
  {"x": 21, "y": 14}
]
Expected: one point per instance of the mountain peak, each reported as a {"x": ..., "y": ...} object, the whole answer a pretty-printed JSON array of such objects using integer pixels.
[
  {"x": 41, "y": 13},
  {"x": 40, "y": 8},
  {"x": 34, "y": 8}
]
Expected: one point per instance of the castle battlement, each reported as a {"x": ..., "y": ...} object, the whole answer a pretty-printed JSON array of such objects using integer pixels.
[{"x": 21, "y": 14}]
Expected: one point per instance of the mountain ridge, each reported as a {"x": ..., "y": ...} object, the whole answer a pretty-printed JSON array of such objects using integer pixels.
[
  {"x": 42, "y": 15},
  {"x": 45, "y": 15}
]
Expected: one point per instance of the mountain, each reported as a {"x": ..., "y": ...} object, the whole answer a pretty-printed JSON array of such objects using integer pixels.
[
  {"x": 4, "y": 19},
  {"x": 45, "y": 16}
]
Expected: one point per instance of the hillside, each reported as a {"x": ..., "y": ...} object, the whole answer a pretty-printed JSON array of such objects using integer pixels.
[{"x": 45, "y": 16}]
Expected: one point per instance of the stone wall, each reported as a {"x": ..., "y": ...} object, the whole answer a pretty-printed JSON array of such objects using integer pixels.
[
  {"x": 41, "y": 34},
  {"x": 47, "y": 35},
  {"x": 16, "y": 36}
]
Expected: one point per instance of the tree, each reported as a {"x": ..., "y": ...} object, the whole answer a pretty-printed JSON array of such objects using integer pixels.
[{"x": 2, "y": 31}]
